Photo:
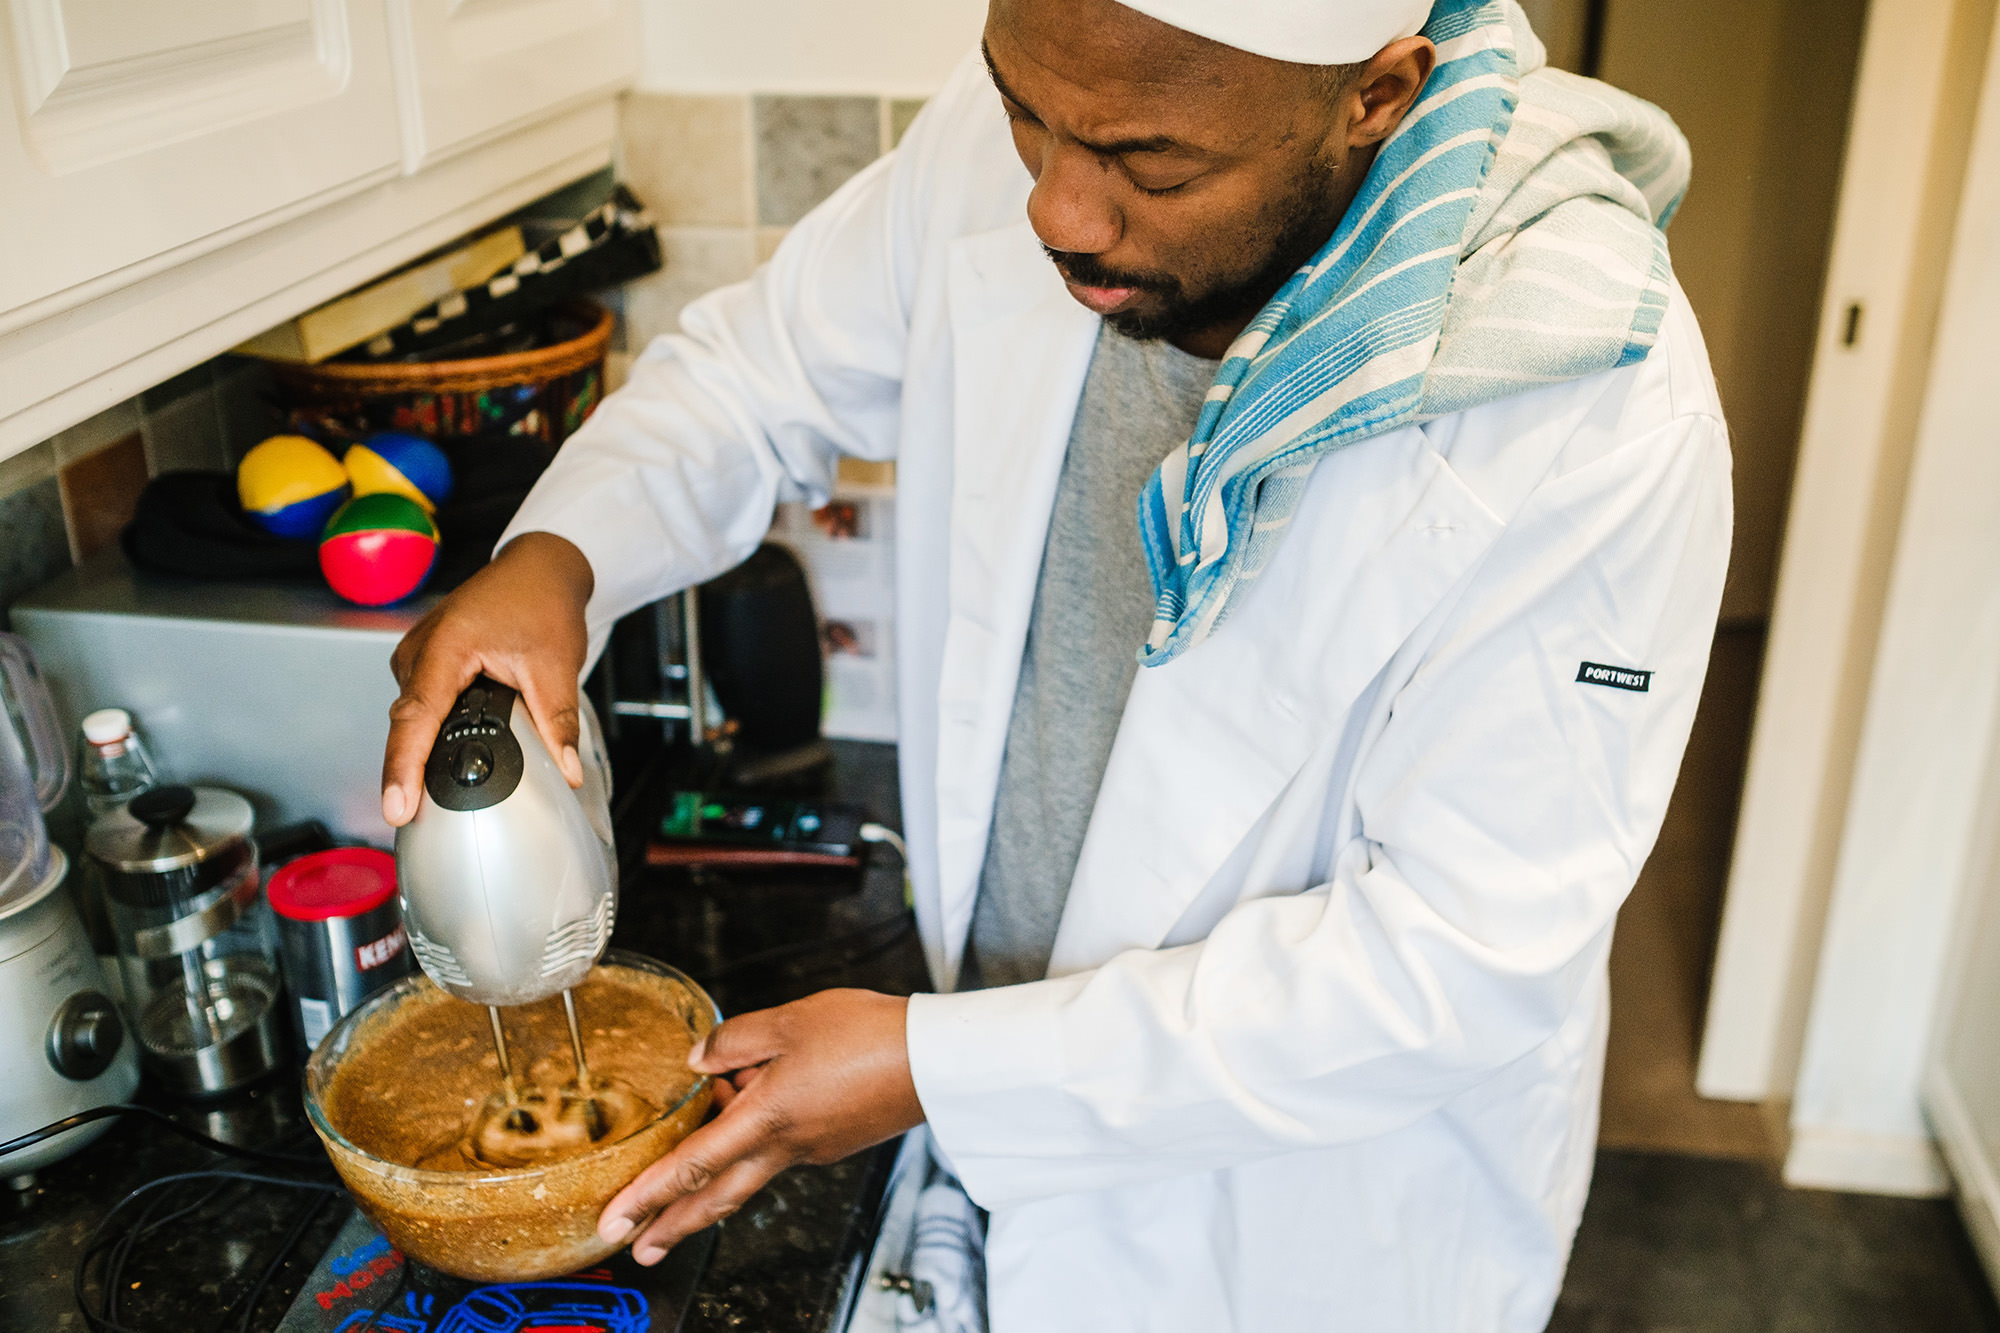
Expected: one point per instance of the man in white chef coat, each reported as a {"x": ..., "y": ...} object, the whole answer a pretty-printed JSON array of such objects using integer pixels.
[{"x": 1312, "y": 510}]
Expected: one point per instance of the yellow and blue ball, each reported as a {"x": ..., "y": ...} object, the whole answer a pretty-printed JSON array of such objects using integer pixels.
[
  {"x": 378, "y": 549},
  {"x": 290, "y": 485},
  {"x": 393, "y": 463}
]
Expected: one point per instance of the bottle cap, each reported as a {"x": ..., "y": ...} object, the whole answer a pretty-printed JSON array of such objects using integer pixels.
[{"x": 107, "y": 725}]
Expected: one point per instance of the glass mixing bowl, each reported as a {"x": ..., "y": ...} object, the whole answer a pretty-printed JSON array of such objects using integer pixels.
[{"x": 516, "y": 1225}]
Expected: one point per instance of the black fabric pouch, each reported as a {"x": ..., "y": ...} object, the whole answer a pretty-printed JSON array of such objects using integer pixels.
[{"x": 191, "y": 524}]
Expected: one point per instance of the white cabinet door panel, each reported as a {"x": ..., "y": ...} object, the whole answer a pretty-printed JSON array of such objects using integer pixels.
[
  {"x": 472, "y": 69},
  {"x": 141, "y": 133}
]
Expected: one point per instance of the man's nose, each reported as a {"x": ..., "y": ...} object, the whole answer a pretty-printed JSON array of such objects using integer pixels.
[{"x": 1071, "y": 207}]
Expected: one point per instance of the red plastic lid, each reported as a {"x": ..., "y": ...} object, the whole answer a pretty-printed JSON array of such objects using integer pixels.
[{"x": 343, "y": 882}]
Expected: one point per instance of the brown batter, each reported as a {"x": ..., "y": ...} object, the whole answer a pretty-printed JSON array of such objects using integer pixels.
[{"x": 423, "y": 1089}]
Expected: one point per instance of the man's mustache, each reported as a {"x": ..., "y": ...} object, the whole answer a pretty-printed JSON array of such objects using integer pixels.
[{"x": 1089, "y": 271}]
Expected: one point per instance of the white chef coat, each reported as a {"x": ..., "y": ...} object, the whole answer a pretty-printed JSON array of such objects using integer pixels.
[{"x": 1325, "y": 1031}]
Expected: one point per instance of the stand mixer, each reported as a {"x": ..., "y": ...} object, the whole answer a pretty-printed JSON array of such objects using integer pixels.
[{"x": 509, "y": 888}]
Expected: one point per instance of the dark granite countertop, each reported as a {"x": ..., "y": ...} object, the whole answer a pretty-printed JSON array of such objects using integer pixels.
[{"x": 787, "y": 1262}]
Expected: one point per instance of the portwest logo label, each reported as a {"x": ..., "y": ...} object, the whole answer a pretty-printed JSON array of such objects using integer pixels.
[{"x": 1617, "y": 677}]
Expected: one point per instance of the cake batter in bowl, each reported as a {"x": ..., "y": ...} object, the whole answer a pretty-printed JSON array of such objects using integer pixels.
[{"x": 403, "y": 1092}]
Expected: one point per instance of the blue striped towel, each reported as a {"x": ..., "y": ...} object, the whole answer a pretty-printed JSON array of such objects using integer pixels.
[{"x": 1508, "y": 235}]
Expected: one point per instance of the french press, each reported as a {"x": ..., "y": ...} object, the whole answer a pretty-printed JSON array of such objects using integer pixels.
[{"x": 196, "y": 946}]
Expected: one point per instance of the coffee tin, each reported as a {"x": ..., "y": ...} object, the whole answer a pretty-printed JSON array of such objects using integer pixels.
[{"x": 341, "y": 931}]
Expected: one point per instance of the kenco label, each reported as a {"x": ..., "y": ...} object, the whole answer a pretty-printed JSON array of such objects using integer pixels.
[
  {"x": 373, "y": 954},
  {"x": 1617, "y": 677}
]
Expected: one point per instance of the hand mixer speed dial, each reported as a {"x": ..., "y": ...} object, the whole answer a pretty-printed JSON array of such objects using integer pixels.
[{"x": 508, "y": 878}]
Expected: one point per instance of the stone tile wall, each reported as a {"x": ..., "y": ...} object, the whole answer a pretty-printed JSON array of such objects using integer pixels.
[
  {"x": 67, "y": 498},
  {"x": 34, "y": 547},
  {"x": 727, "y": 176}
]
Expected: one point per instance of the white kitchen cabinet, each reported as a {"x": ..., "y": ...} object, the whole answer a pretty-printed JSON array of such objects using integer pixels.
[
  {"x": 179, "y": 175},
  {"x": 137, "y": 135},
  {"x": 472, "y": 69}
]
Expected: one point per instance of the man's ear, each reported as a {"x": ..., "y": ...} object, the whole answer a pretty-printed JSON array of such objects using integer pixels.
[{"x": 1386, "y": 88}]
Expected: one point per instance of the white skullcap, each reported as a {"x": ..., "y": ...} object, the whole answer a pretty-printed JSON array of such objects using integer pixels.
[{"x": 1306, "y": 32}]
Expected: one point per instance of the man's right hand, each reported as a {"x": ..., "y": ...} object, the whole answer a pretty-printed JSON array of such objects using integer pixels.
[{"x": 520, "y": 621}]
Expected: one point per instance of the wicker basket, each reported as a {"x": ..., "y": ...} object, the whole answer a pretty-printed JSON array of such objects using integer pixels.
[{"x": 544, "y": 394}]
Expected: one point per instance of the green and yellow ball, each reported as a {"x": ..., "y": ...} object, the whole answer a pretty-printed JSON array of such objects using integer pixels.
[{"x": 378, "y": 549}]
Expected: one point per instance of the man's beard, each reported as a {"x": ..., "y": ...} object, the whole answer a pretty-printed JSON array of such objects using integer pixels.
[{"x": 1176, "y": 314}]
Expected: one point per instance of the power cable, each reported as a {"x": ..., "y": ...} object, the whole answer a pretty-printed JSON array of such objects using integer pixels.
[
  {"x": 67, "y": 1123},
  {"x": 117, "y": 1247}
]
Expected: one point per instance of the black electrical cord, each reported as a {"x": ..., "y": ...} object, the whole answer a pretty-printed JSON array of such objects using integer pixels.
[
  {"x": 290, "y": 1241},
  {"x": 67, "y": 1123},
  {"x": 116, "y": 1247},
  {"x": 109, "y": 1249},
  {"x": 120, "y": 1247}
]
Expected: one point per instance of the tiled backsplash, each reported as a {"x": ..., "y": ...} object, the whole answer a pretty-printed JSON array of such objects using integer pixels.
[
  {"x": 67, "y": 497},
  {"x": 806, "y": 147},
  {"x": 34, "y": 548},
  {"x": 725, "y": 176}
]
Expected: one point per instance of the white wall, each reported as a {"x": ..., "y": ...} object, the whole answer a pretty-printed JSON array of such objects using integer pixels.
[
  {"x": 895, "y": 48},
  {"x": 1918, "y": 809},
  {"x": 1893, "y": 232}
]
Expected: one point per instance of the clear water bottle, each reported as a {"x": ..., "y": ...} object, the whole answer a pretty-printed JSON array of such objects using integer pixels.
[{"x": 115, "y": 765}]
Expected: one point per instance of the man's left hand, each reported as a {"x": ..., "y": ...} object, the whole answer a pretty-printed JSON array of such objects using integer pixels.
[{"x": 811, "y": 1081}]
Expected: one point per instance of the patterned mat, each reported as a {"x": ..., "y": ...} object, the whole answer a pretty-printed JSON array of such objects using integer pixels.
[{"x": 363, "y": 1283}]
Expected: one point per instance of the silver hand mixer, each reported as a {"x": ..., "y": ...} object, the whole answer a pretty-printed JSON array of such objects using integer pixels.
[{"x": 508, "y": 877}]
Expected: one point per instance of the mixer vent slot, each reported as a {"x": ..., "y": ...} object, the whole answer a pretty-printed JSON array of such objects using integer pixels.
[
  {"x": 581, "y": 941},
  {"x": 438, "y": 962}
]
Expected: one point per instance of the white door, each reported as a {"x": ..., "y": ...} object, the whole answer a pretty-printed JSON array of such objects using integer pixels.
[
  {"x": 470, "y": 70},
  {"x": 139, "y": 133}
]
